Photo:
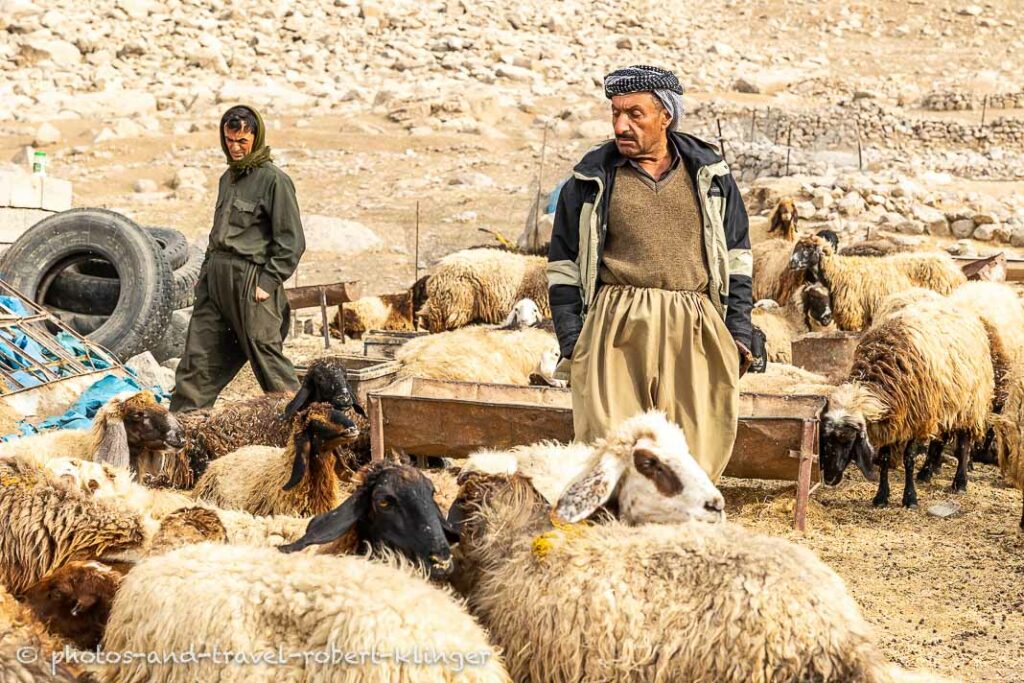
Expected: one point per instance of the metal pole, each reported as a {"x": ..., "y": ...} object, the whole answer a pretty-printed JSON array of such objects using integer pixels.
[
  {"x": 753, "y": 121},
  {"x": 721, "y": 140},
  {"x": 789, "y": 146},
  {"x": 323, "y": 317},
  {"x": 860, "y": 149},
  {"x": 984, "y": 110},
  {"x": 416, "y": 252}
]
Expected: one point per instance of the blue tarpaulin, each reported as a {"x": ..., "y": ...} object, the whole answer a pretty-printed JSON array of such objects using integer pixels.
[{"x": 553, "y": 197}]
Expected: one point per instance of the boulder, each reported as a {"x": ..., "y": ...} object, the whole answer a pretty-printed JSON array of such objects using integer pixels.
[{"x": 338, "y": 235}]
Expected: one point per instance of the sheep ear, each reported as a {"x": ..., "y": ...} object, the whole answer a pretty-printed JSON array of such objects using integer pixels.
[
  {"x": 303, "y": 397},
  {"x": 650, "y": 465},
  {"x": 451, "y": 531},
  {"x": 359, "y": 409},
  {"x": 456, "y": 518},
  {"x": 301, "y": 462},
  {"x": 862, "y": 455},
  {"x": 509, "y": 319},
  {"x": 113, "y": 446},
  {"x": 592, "y": 490},
  {"x": 332, "y": 525}
]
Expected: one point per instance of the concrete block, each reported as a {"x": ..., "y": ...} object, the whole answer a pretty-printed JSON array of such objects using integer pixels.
[
  {"x": 55, "y": 194},
  {"x": 26, "y": 192},
  {"x": 14, "y": 222},
  {"x": 5, "y": 188}
]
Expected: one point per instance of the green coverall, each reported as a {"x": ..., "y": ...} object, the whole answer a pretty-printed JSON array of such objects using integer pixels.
[{"x": 256, "y": 239}]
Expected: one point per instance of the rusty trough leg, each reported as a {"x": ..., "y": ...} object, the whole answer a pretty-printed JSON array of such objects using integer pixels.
[
  {"x": 803, "y": 484},
  {"x": 323, "y": 317},
  {"x": 376, "y": 418}
]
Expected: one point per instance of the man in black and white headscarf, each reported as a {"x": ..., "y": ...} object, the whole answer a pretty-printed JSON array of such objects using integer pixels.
[{"x": 650, "y": 274}]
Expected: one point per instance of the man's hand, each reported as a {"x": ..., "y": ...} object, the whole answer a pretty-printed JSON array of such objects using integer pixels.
[
  {"x": 261, "y": 295},
  {"x": 746, "y": 358}
]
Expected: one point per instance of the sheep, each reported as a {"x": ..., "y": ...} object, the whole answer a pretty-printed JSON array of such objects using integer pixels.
[
  {"x": 810, "y": 310},
  {"x": 858, "y": 285},
  {"x": 20, "y": 629},
  {"x": 777, "y": 331},
  {"x": 773, "y": 278},
  {"x": 74, "y": 601},
  {"x": 781, "y": 379},
  {"x": 130, "y": 430},
  {"x": 547, "y": 368},
  {"x": 48, "y": 524},
  {"x": 482, "y": 286},
  {"x": 898, "y": 301},
  {"x": 256, "y": 600},
  {"x": 384, "y": 312},
  {"x": 1009, "y": 433},
  {"x": 264, "y": 420},
  {"x": 882, "y": 246},
  {"x": 392, "y": 507},
  {"x": 526, "y": 313},
  {"x": 645, "y": 464},
  {"x": 477, "y": 354},
  {"x": 299, "y": 479},
  {"x": 658, "y": 602},
  {"x": 829, "y": 236},
  {"x": 784, "y": 219},
  {"x": 923, "y": 372}
]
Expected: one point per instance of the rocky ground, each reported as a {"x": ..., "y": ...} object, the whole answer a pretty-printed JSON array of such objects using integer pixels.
[{"x": 888, "y": 116}]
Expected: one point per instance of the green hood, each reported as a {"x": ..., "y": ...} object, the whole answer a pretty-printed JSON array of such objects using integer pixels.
[{"x": 260, "y": 153}]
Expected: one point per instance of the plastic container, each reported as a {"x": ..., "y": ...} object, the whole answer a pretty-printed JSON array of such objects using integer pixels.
[{"x": 39, "y": 163}]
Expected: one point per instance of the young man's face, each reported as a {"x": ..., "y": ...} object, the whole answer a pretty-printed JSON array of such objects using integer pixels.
[
  {"x": 239, "y": 142},
  {"x": 640, "y": 123}
]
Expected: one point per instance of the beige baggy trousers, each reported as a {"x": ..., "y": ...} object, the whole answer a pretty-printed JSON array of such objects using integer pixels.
[{"x": 652, "y": 348}]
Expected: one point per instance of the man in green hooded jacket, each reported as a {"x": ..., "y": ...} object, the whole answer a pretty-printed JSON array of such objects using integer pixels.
[{"x": 241, "y": 312}]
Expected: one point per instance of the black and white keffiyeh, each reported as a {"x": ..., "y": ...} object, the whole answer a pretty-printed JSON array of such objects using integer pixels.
[{"x": 644, "y": 78}]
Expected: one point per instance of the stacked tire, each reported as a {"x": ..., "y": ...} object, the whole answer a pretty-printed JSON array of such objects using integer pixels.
[{"x": 108, "y": 278}]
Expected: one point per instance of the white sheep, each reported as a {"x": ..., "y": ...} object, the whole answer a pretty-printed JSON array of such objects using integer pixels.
[
  {"x": 658, "y": 602},
  {"x": 259, "y": 600},
  {"x": 477, "y": 354},
  {"x": 645, "y": 464}
]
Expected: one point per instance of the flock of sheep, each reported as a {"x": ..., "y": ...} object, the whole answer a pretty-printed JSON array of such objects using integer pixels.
[{"x": 263, "y": 526}]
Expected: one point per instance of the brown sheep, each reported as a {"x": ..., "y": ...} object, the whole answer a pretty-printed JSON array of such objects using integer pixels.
[
  {"x": 20, "y": 629},
  {"x": 773, "y": 278},
  {"x": 924, "y": 372},
  {"x": 74, "y": 601},
  {"x": 784, "y": 219},
  {"x": 858, "y": 285},
  {"x": 300, "y": 479},
  {"x": 385, "y": 312},
  {"x": 874, "y": 248},
  {"x": 47, "y": 525}
]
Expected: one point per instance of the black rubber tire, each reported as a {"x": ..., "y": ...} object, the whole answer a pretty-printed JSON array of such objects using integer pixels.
[
  {"x": 173, "y": 243},
  {"x": 143, "y": 310},
  {"x": 92, "y": 286},
  {"x": 81, "y": 323},
  {"x": 186, "y": 277}
]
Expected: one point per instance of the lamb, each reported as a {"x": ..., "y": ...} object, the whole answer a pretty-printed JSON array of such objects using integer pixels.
[
  {"x": 644, "y": 464},
  {"x": 257, "y": 600},
  {"x": 923, "y": 372},
  {"x": 299, "y": 479},
  {"x": 74, "y": 601},
  {"x": 130, "y": 430},
  {"x": 695, "y": 602},
  {"x": 264, "y": 420},
  {"x": 477, "y": 354},
  {"x": 810, "y": 310},
  {"x": 384, "y": 312},
  {"x": 47, "y": 524},
  {"x": 20, "y": 629},
  {"x": 773, "y": 278},
  {"x": 858, "y": 285},
  {"x": 482, "y": 286}
]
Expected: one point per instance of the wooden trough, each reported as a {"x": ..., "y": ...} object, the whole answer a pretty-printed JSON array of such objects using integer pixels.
[
  {"x": 777, "y": 436},
  {"x": 322, "y": 296},
  {"x": 385, "y": 343},
  {"x": 827, "y": 353},
  {"x": 364, "y": 374},
  {"x": 995, "y": 268}
]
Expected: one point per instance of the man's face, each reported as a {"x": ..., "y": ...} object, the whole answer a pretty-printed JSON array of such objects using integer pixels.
[
  {"x": 239, "y": 142},
  {"x": 640, "y": 123}
]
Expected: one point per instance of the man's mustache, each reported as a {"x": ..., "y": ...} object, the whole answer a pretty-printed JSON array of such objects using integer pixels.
[{"x": 625, "y": 137}]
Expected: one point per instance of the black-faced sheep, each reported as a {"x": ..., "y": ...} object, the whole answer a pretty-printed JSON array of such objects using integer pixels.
[
  {"x": 644, "y": 467},
  {"x": 477, "y": 354},
  {"x": 299, "y": 479},
  {"x": 809, "y": 311},
  {"x": 264, "y": 420},
  {"x": 74, "y": 601},
  {"x": 131, "y": 430},
  {"x": 693, "y": 602},
  {"x": 482, "y": 286},
  {"x": 48, "y": 524},
  {"x": 392, "y": 507},
  {"x": 924, "y": 372},
  {"x": 858, "y": 285},
  {"x": 258, "y": 600}
]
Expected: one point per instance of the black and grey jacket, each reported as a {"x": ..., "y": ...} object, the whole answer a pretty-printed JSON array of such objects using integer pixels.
[{"x": 581, "y": 224}]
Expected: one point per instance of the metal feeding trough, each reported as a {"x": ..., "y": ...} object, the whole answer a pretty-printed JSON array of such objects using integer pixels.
[
  {"x": 385, "y": 343},
  {"x": 364, "y": 374},
  {"x": 826, "y": 353},
  {"x": 777, "y": 436}
]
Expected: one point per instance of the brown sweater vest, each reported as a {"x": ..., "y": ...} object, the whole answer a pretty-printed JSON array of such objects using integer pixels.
[{"x": 655, "y": 235}]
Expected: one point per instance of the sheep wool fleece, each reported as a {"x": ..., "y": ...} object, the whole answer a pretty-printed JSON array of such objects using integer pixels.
[{"x": 646, "y": 348}]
